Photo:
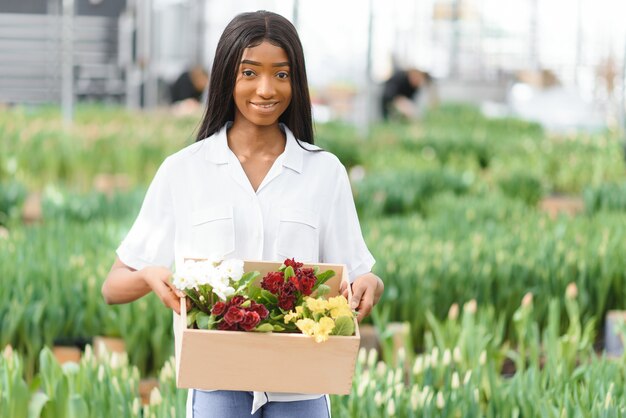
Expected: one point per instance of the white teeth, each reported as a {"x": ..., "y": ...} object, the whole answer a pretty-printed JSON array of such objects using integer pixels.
[{"x": 264, "y": 106}]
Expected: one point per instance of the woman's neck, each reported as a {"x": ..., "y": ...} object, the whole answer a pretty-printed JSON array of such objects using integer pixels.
[{"x": 247, "y": 140}]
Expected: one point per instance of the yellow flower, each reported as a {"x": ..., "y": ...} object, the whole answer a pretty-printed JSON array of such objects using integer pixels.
[
  {"x": 317, "y": 305},
  {"x": 306, "y": 325},
  {"x": 323, "y": 329},
  {"x": 340, "y": 311},
  {"x": 337, "y": 302},
  {"x": 291, "y": 316}
]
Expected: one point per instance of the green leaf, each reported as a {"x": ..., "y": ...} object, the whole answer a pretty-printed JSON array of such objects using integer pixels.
[
  {"x": 202, "y": 320},
  {"x": 191, "y": 317},
  {"x": 78, "y": 407},
  {"x": 344, "y": 325},
  {"x": 322, "y": 290},
  {"x": 323, "y": 278},
  {"x": 264, "y": 328},
  {"x": 36, "y": 404},
  {"x": 254, "y": 292},
  {"x": 289, "y": 273},
  {"x": 269, "y": 297},
  {"x": 278, "y": 328},
  {"x": 277, "y": 317},
  {"x": 246, "y": 281},
  {"x": 246, "y": 304}
]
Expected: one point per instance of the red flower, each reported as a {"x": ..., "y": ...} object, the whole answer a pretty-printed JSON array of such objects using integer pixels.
[
  {"x": 234, "y": 315},
  {"x": 288, "y": 289},
  {"x": 260, "y": 309},
  {"x": 306, "y": 285},
  {"x": 225, "y": 326},
  {"x": 273, "y": 281},
  {"x": 237, "y": 300},
  {"x": 292, "y": 263},
  {"x": 286, "y": 302},
  {"x": 250, "y": 321},
  {"x": 219, "y": 308}
]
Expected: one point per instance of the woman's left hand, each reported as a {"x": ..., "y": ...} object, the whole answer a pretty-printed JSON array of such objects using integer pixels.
[{"x": 366, "y": 291}]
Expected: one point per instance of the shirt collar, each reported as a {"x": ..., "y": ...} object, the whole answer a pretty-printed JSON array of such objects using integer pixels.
[{"x": 217, "y": 150}]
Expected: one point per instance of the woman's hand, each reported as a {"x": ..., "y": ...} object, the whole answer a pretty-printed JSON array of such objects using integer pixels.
[
  {"x": 158, "y": 278},
  {"x": 366, "y": 292}
]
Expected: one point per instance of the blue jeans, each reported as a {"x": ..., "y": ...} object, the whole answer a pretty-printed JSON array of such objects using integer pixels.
[{"x": 235, "y": 404}]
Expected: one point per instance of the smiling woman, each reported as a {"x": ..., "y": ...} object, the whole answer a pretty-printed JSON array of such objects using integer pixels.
[
  {"x": 263, "y": 88},
  {"x": 252, "y": 187}
]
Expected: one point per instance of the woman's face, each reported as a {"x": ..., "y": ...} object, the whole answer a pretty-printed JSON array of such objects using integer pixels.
[{"x": 263, "y": 86}]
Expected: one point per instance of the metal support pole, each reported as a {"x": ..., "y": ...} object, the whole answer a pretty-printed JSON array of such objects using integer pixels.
[
  {"x": 455, "y": 48},
  {"x": 579, "y": 40},
  {"x": 67, "y": 57},
  {"x": 533, "y": 50},
  {"x": 369, "y": 79},
  {"x": 295, "y": 13},
  {"x": 622, "y": 102},
  {"x": 200, "y": 33}
]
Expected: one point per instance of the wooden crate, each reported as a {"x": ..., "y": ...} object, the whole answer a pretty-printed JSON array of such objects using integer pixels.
[{"x": 272, "y": 362}]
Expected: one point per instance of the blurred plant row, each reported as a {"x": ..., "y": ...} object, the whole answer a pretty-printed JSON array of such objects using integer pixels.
[
  {"x": 549, "y": 374},
  {"x": 450, "y": 208}
]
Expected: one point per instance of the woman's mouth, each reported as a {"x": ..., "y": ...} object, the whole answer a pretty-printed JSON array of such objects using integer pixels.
[{"x": 264, "y": 107}]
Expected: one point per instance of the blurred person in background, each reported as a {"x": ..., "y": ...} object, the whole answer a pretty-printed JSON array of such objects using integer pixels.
[
  {"x": 400, "y": 93},
  {"x": 253, "y": 168},
  {"x": 186, "y": 92}
]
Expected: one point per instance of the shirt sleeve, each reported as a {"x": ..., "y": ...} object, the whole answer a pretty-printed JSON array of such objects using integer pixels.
[
  {"x": 342, "y": 241},
  {"x": 150, "y": 241}
]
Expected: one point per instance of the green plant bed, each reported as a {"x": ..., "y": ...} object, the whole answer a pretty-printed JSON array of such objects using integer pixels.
[
  {"x": 50, "y": 280},
  {"x": 478, "y": 250},
  {"x": 605, "y": 197},
  {"x": 398, "y": 192}
]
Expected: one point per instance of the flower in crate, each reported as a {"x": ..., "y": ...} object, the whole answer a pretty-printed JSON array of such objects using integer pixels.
[
  {"x": 218, "y": 291},
  {"x": 285, "y": 289},
  {"x": 239, "y": 314},
  {"x": 320, "y": 318}
]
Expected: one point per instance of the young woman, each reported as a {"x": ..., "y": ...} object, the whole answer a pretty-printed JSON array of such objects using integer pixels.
[{"x": 253, "y": 186}]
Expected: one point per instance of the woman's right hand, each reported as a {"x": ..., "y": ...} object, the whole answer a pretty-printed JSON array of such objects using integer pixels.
[{"x": 158, "y": 278}]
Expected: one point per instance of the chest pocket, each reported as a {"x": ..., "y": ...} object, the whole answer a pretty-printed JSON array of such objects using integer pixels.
[
  {"x": 213, "y": 231},
  {"x": 298, "y": 235}
]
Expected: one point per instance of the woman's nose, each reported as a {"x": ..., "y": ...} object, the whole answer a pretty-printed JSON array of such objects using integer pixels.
[{"x": 265, "y": 88}]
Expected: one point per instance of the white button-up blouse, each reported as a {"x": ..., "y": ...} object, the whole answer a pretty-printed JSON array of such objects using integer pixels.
[{"x": 201, "y": 204}]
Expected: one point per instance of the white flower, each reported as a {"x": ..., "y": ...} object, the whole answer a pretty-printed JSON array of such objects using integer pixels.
[
  {"x": 136, "y": 407},
  {"x": 441, "y": 402},
  {"x": 447, "y": 356},
  {"x": 415, "y": 397},
  {"x": 391, "y": 408},
  {"x": 418, "y": 366},
  {"x": 155, "y": 396},
  {"x": 455, "y": 381},
  {"x": 468, "y": 376},
  {"x": 233, "y": 268},
  {"x": 456, "y": 355},
  {"x": 362, "y": 355},
  {"x": 378, "y": 398},
  {"x": 371, "y": 358}
]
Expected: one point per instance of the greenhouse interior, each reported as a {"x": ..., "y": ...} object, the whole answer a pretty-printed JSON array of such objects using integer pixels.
[{"x": 464, "y": 255}]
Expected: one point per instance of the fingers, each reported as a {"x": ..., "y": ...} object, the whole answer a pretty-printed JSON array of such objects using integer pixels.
[
  {"x": 167, "y": 294},
  {"x": 365, "y": 305},
  {"x": 343, "y": 289},
  {"x": 357, "y": 294},
  {"x": 176, "y": 291}
]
